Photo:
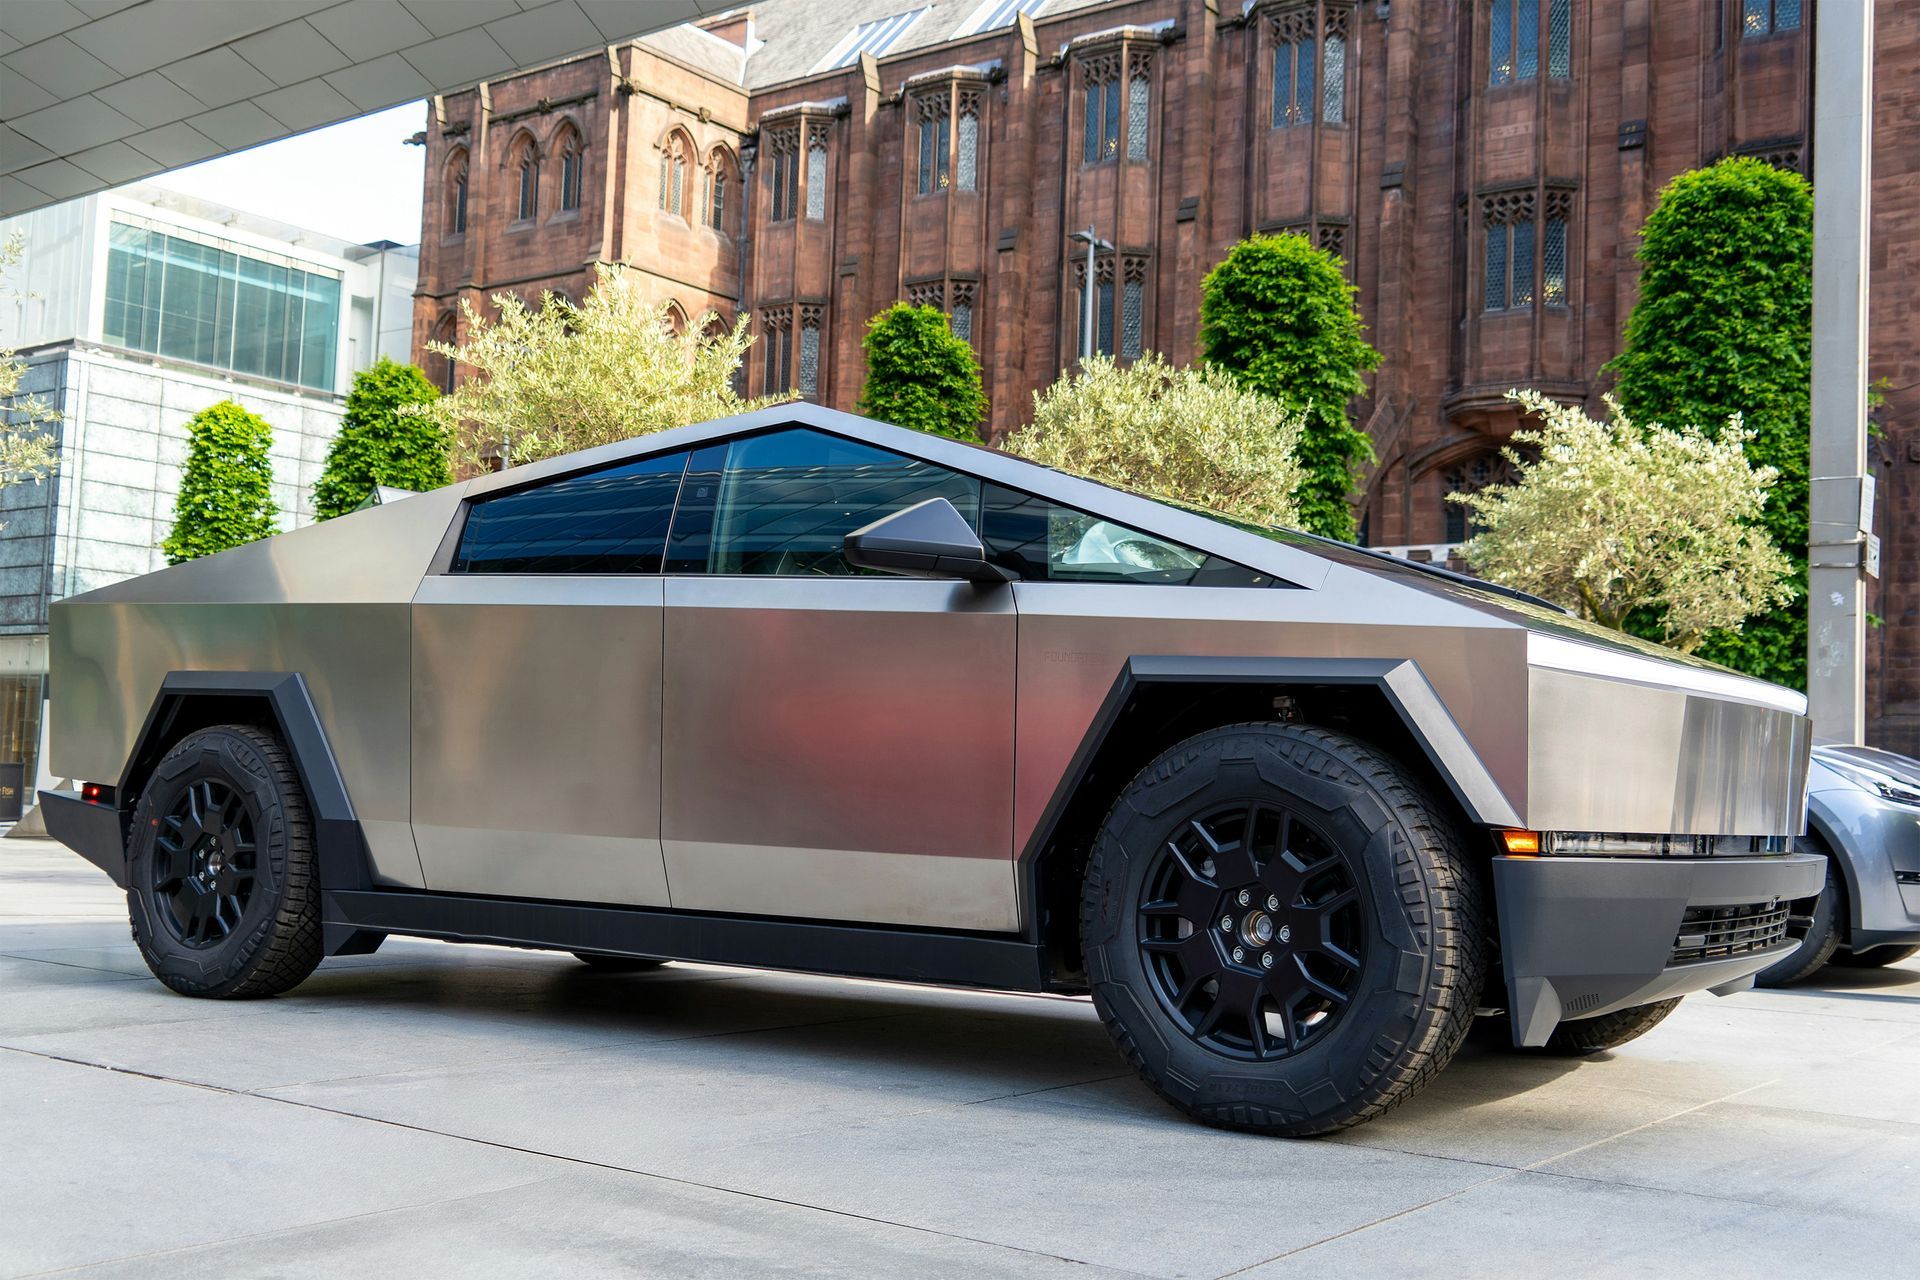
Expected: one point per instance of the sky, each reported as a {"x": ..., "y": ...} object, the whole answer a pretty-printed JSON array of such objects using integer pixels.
[{"x": 357, "y": 180}]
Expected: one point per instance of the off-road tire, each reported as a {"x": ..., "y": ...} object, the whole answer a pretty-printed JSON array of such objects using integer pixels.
[
  {"x": 1878, "y": 958},
  {"x": 1608, "y": 1031},
  {"x": 276, "y": 941},
  {"x": 1822, "y": 939},
  {"x": 603, "y": 963},
  {"x": 1422, "y": 904}
]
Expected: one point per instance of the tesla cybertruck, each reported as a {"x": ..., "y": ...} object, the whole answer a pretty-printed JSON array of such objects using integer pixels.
[{"x": 803, "y": 691}]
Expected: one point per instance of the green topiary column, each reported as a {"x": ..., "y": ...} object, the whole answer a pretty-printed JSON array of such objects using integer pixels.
[
  {"x": 921, "y": 374},
  {"x": 1278, "y": 315},
  {"x": 1724, "y": 325},
  {"x": 378, "y": 444},
  {"x": 226, "y": 491}
]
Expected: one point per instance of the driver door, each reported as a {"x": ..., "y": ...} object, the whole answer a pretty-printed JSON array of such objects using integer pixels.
[{"x": 836, "y": 745}]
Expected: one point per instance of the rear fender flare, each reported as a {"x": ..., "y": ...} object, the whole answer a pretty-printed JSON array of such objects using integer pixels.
[{"x": 340, "y": 846}]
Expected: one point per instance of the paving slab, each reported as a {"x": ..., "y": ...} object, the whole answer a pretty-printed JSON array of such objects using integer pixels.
[{"x": 437, "y": 1109}]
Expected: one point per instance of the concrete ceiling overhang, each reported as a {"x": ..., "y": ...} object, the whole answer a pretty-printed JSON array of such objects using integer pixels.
[{"x": 94, "y": 93}]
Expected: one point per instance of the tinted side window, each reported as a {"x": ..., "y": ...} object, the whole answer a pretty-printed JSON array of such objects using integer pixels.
[
  {"x": 787, "y": 500},
  {"x": 609, "y": 521},
  {"x": 1043, "y": 541}
]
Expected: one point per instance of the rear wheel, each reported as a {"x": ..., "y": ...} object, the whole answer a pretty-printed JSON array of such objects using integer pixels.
[
  {"x": 1282, "y": 930},
  {"x": 615, "y": 964},
  {"x": 1878, "y": 958},
  {"x": 222, "y": 891},
  {"x": 1608, "y": 1031},
  {"x": 1818, "y": 920}
]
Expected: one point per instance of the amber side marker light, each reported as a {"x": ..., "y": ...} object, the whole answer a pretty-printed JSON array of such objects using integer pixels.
[{"x": 1525, "y": 844}]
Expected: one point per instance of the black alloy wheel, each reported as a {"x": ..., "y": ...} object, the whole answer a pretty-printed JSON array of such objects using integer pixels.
[
  {"x": 1251, "y": 931},
  {"x": 222, "y": 887},
  {"x": 1284, "y": 930},
  {"x": 206, "y": 854}
]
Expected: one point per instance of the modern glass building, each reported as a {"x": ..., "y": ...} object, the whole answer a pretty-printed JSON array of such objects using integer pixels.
[
  {"x": 134, "y": 310},
  {"x": 207, "y": 301}
]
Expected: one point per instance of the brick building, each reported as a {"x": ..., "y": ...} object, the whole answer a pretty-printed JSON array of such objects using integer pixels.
[{"x": 1481, "y": 165}]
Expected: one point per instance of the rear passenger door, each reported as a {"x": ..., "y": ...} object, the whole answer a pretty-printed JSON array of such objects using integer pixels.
[
  {"x": 536, "y": 691},
  {"x": 837, "y": 745}
]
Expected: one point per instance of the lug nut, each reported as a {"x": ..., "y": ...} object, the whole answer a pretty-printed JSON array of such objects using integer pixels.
[
  {"x": 1245, "y": 897},
  {"x": 1239, "y": 954},
  {"x": 1226, "y": 924},
  {"x": 1273, "y": 902},
  {"x": 1266, "y": 959}
]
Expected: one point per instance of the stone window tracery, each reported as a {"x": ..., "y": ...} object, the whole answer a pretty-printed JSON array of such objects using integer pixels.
[
  {"x": 932, "y": 112},
  {"x": 967, "y": 137},
  {"x": 817, "y": 171},
  {"x": 783, "y": 172},
  {"x": 572, "y": 169}
]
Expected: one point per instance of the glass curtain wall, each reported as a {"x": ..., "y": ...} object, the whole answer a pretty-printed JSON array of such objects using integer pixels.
[{"x": 215, "y": 305}]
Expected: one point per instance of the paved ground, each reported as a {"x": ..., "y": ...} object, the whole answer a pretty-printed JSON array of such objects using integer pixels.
[{"x": 444, "y": 1110}]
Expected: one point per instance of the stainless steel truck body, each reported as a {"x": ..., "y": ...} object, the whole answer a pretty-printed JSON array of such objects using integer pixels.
[{"x": 797, "y": 689}]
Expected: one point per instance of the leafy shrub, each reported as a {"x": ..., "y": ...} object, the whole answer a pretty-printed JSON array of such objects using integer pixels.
[
  {"x": 921, "y": 374},
  {"x": 1188, "y": 434},
  {"x": 379, "y": 444},
  {"x": 226, "y": 490},
  {"x": 1279, "y": 316},
  {"x": 1724, "y": 327}
]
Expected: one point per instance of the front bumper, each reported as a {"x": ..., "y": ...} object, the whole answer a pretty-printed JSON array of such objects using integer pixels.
[{"x": 1580, "y": 937}]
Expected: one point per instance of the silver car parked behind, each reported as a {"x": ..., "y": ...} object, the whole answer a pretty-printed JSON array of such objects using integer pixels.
[
  {"x": 1863, "y": 817},
  {"x": 800, "y": 690}
]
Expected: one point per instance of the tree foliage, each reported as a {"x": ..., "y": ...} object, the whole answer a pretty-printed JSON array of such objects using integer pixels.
[
  {"x": 226, "y": 491},
  {"x": 1724, "y": 327},
  {"x": 1614, "y": 521},
  {"x": 1279, "y": 316},
  {"x": 921, "y": 374},
  {"x": 559, "y": 377},
  {"x": 380, "y": 445},
  {"x": 1192, "y": 435},
  {"x": 27, "y": 447}
]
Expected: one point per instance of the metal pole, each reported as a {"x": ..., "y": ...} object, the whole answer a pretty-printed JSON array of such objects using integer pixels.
[
  {"x": 1841, "y": 496},
  {"x": 1086, "y": 294}
]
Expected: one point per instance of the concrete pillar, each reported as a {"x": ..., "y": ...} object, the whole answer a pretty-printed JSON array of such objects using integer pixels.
[{"x": 1840, "y": 491}]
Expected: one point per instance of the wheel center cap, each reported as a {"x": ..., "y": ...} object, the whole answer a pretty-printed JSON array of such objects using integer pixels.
[{"x": 1257, "y": 929}]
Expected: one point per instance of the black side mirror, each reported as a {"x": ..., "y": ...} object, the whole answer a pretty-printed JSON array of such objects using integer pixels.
[{"x": 928, "y": 540}]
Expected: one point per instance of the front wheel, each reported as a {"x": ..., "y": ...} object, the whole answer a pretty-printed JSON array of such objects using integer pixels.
[
  {"x": 1818, "y": 922},
  {"x": 1282, "y": 929},
  {"x": 221, "y": 884},
  {"x": 1608, "y": 1031}
]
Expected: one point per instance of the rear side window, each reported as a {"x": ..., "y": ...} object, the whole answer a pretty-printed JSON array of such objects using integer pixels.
[
  {"x": 788, "y": 500},
  {"x": 609, "y": 521},
  {"x": 1043, "y": 541}
]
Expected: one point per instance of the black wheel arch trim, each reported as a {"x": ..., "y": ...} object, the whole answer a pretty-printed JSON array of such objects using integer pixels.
[
  {"x": 340, "y": 845},
  {"x": 1399, "y": 681}
]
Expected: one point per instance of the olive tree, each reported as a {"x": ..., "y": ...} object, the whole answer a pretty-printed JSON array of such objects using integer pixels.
[
  {"x": 1614, "y": 520},
  {"x": 27, "y": 446},
  {"x": 561, "y": 376},
  {"x": 1192, "y": 435}
]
